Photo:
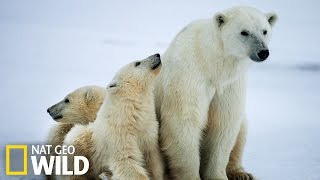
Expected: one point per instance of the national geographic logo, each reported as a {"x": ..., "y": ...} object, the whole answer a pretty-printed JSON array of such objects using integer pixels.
[
  {"x": 16, "y": 168},
  {"x": 42, "y": 162}
]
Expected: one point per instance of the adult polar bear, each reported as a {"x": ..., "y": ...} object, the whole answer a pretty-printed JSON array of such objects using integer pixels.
[{"x": 200, "y": 94}]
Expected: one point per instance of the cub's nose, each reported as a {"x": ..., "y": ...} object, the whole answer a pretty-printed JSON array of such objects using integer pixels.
[
  {"x": 48, "y": 110},
  {"x": 263, "y": 54},
  {"x": 155, "y": 57},
  {"x": 156, "y": 61}
]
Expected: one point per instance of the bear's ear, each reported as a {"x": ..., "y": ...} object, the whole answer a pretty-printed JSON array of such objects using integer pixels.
[
  {"x": 272, "y": 18},
  {"x": 113, "y": 87},
  {"x": 220, "y": 19},
  {"x": 90, "y": 95}
]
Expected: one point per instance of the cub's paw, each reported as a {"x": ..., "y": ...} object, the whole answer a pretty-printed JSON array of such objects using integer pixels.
[
  {"x": 240, "y": 175},
  {"x": 105, "y": 176}
]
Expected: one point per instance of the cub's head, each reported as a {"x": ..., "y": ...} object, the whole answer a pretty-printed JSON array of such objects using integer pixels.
[
  {"x": 245, "y": 32},
  {"x": 137, "y": 77},
  {"x": 80, "y": 106}
]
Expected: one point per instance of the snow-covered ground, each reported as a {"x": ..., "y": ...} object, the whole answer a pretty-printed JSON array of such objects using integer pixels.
[{"x": 49, "y": 48}]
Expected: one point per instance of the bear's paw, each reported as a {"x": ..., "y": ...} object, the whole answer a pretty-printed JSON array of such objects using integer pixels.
[{"x": 240, "y": 175}]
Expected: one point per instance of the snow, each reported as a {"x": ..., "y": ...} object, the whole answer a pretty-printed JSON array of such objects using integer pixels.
[
  {"x": 283, "y": 124},
  {"x": 49, "y": 48}
]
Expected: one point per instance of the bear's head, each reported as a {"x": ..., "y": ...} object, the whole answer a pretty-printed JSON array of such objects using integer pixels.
[
  {"x": 136, "y": 78},
  {"x": 245, "y": 32},
  {"x": 80, "y": 106}
]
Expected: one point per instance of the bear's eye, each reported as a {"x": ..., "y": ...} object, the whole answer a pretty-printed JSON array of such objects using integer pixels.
[
  {"x": 265, "y": 32},
  {"x": 244, "y": 33},
  {"x": 137, "y": 64},
  {"x": 67, "y": 100}
]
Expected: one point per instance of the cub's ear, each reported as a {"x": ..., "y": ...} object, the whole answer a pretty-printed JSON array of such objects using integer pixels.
[
  {"x": 272, "y": 18},
  {"x": 220, "y": 19},
  {"x": 113, "y": 87},
  {"x": 90, "y": 95}
]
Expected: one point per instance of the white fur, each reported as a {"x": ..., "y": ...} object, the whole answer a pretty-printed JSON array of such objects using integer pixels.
[
  {"x": 82, "y": 108},
  {"x": 204, "y": 71},
  {"x": 75, "y": 132},
  {"x": 124, "y": 137}
]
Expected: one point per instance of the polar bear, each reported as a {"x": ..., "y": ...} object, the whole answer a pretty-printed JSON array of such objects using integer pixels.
[
  {"x": 78, "y": 107},
  {"x": 124, "y": 137},
  {"x": 200, "y": 93}
]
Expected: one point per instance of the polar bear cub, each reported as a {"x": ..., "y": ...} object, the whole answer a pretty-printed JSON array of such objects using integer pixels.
[
  {"x": 78, "y": 107},
  {"x": 124, "y": 137}
]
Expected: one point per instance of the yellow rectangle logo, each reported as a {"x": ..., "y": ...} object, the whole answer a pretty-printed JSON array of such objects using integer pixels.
[{"x": 25, "y": 159}]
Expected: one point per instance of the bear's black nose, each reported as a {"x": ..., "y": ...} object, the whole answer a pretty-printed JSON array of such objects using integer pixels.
[
  {"x": 263, "y": 54},
  {"x": 48, "y": 110}
]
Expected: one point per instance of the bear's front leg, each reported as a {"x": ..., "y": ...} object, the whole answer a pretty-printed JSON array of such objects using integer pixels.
[
  {"x": 182, "y": 121},
  {"x": 225, "y": 114},
  {"x": 180, "y": 144},
  {"x": 235, "y": 169}
]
